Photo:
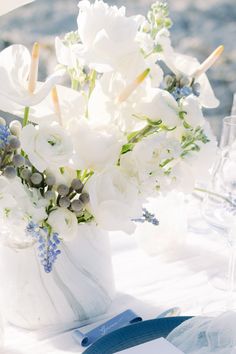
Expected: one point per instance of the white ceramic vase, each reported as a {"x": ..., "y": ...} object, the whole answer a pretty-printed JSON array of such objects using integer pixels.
[{"x": 79, "y": 287}]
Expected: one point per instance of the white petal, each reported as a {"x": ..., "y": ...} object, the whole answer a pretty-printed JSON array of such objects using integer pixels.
[{"x": 9, "y": 5}]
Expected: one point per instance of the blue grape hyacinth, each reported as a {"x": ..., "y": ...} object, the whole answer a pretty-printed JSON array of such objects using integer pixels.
[
  {"x": 47, "y": 244},
  {"x": 147, "y": 217},
  {"x": 4, "y": 134}
]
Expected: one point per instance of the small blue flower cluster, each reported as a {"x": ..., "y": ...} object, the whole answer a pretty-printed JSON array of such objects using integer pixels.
[
  {"x": 4, "y": 134},
  {"x": 147, "y": 217},
  {"x": 181, "y": 92},
  {"x": 47, "y": 245}
]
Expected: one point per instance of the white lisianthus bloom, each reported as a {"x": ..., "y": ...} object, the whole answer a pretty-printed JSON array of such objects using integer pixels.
[
  {"x": 107, "y": 35},
  {"x": 47, "y": 146},
  {"x": 15, "y": 62},
  {"x": 7, "y": 6},
  {"x": 96, "y": 146},
  {"x": 64, "y": 222},
  {"x": 159, "y": 105},
  {"x": 194, "y": 115},
  {"x": 114, "y": 200}
]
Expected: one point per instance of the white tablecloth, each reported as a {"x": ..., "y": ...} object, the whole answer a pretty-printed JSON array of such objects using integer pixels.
[{"x": 147, "y": 285}]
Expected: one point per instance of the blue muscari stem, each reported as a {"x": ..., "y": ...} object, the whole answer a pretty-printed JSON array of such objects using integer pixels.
[
  {"x": 4, "y": 134},
  {"x": 147, "y": 217},
  {"x": 47, "y": 244}
]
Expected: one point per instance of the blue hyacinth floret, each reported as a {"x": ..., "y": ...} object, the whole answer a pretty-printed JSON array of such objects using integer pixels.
[
  {"x": 4, "y": 134},
  {"x": 181, "y": 92},
  {"x": 147, "y": 217},
  {"x": 47, "y": 244}
]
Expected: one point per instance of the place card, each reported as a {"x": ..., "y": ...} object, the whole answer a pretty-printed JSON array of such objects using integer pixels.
[{"x": 157, "y": 346}]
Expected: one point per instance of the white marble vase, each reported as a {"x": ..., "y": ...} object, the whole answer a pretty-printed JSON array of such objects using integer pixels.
[{"x": 79, "y": 287}]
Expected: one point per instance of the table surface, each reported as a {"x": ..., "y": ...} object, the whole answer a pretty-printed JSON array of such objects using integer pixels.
[{"x": 147, "y": 285}]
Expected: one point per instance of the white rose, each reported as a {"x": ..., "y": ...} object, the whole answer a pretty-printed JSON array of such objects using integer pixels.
[
  {"x": 64, "y": 222},
  {"x": 46, "y": 145},
  {"x": 107, "y": 35},
  {"x": 114, "y": 200},
  {"x": 159, "y": 105},
  {"x": 193, "y": 115},
  {"x": 96, "y": 146}
]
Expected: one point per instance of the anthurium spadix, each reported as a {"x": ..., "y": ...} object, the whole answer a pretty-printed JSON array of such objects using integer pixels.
[
  {"x": 18, "y": 84},
  {"x": 9, "y": 5}
]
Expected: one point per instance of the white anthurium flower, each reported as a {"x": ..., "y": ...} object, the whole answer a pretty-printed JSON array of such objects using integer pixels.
[
  {"x": 114, "y": 200},
  {"x": 72, "y": 105},
  {"x": 15, "y": 64},
  {"x": 159, "y": 105},
  {"x": 188, "y": 65},
  {"x": 96, "y": 146},
  {"x": 103, "y": 103},
  {"x": 194, "y": 115},
  {"x": 7, "y": 6},
  {"x": 64, "y": 222},
  {"x": 108, "y": 37},
  {"x": 47, "y": 146}
]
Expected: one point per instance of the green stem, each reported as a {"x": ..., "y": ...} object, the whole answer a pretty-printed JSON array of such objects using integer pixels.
[
  {"x": 75, "y": 84},
  {"x": 215, "y": 194},
  {"x": 26, "y": 116}
]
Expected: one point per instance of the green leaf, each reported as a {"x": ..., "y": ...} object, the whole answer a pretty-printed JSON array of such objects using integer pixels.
[{"x": 126, "y": 148}]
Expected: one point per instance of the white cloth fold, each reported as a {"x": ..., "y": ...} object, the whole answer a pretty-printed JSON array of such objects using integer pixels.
[{"x": 205, "y": 335}]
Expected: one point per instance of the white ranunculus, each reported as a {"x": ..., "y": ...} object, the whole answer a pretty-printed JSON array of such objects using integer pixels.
[
  {"x": 47, "y": 146},
  {"x": 64, "y": 222},
  {"x": 96, "y": 146},
  {"x": 107, "y": 35},
  {"x": 9, "y": 5},
  {"x": 114, "y": 200},
  {"x": 15, "y": 62},
  {"x": 159, "y": 105},
  {"x": 194, "y": 115}
]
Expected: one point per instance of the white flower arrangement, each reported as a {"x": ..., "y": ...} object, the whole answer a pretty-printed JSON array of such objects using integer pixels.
[{"x": 131, "y": 126}]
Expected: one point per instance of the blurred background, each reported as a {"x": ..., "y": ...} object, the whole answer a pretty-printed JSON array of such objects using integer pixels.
[{"x": 199, "y": 27}]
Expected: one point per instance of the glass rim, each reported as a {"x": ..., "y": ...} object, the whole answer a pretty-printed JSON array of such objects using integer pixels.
[{"x": 230, "y": 120}]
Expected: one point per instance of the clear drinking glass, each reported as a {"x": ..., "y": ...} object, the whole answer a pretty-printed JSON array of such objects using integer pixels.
[{"x": 219, "y": 207}]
